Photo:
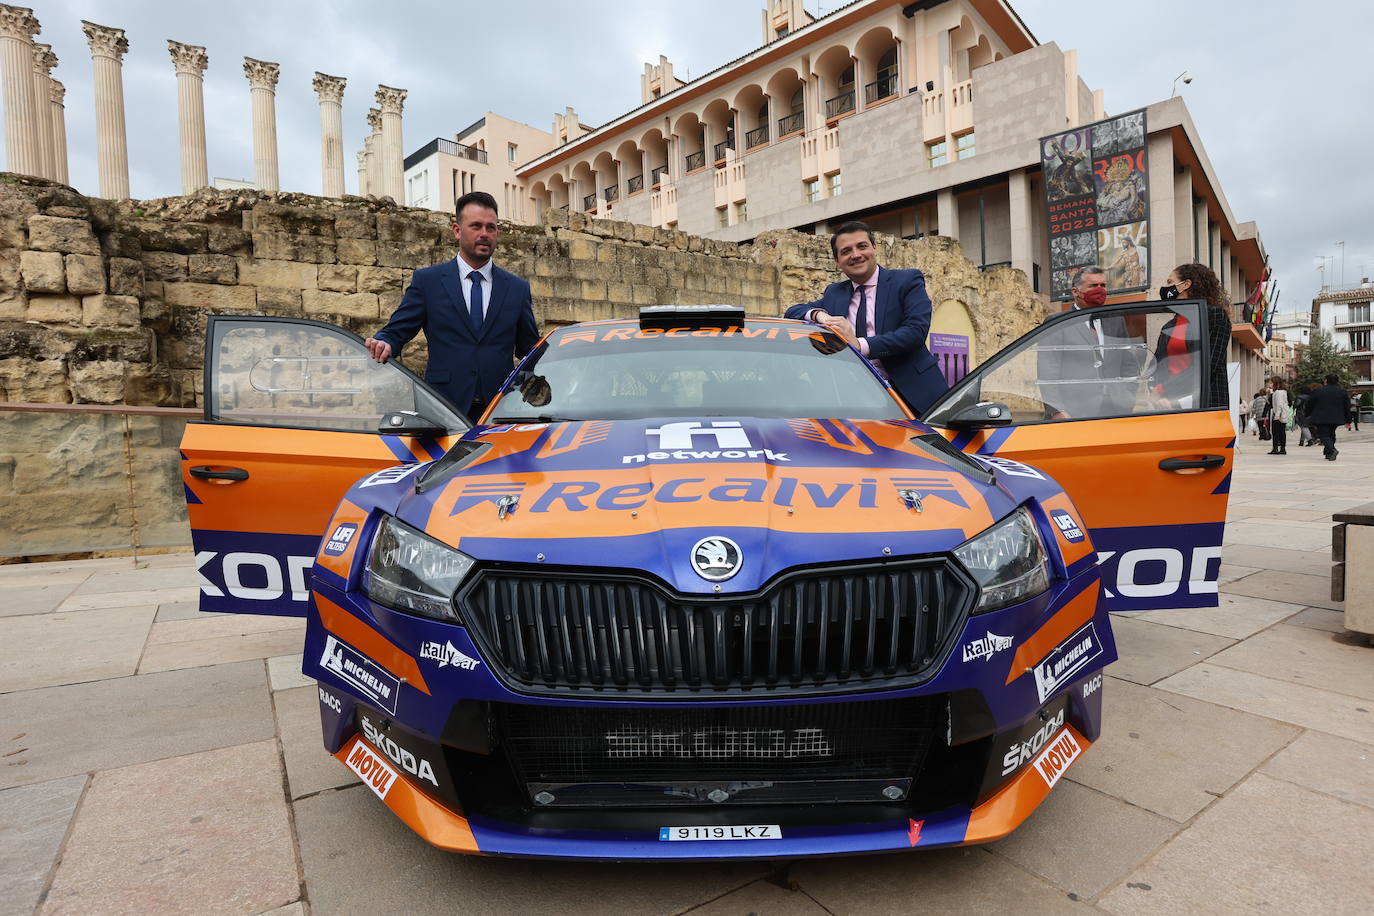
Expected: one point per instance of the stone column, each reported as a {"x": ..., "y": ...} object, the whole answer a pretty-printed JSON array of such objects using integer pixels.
[
  {"x": 22, "y": 149},
  {"x": 390, "y": 101},
  {"x": 43, "y": 62},
  {"x": 372, "y": 152},
  {"x": 190, "y": 62},
  {"x": 262, "y": 81},
  {"x": 59, "y": 131},
  {"x": 947, "y": 213},
  {"x": 362, "y": 173},
  {"x": 331, "y": 90},
  {"x": 1021, "y": 220},
  {"x": 108, "y": 46}
]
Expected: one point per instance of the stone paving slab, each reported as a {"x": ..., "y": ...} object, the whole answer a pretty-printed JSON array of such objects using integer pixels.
[
  {"x": 1295, "y": 588},
  {"x": 1275, "y": 535},
  {"x": 1084, "y": 841},
  {"x": 1235, "y": 616},
  {"x": 181, "y": 610},
  {"x": 1170, "y": 754},
  {"x": 33, "y": 823},
  {"x": 761, "y": 897},
  {"x": 1266, "y": 847},
  {"x": 356, "y": 852},
  {"x": 309, "y": 768},
  {"x": 146, "y": 579},
  {"x": 66, "y": 648},
  {"x": 284, "y": 672},
  {"x": 1319, "y": 619},
  {"x": 33, "y": 597},
  {"x": 49, "y": 733},
  {"x": 1315, "y": 658},
  {"x": 1327, "y": 764},
  {"x": 968, "y": 880},
  {"x": 219, "y": 640},
  {"x": 1308, "y": 562},
  {"x": 1150, "y": 652},
  {"x": 153, "y": 596},
  {"x": 211, "y": 833},
  {"x": 1338, "y": 714}
]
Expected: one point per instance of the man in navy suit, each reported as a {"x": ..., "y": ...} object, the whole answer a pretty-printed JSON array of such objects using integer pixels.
[
  {"x": 476, "y": 317},
  {"x": 885, "y": 314}
]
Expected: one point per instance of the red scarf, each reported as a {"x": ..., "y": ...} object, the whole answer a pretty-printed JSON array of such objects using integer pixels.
[{"x": 1179, "y": 359}]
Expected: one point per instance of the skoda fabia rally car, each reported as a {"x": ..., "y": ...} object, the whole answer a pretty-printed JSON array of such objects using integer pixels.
[{"x": 700, "y": 585}]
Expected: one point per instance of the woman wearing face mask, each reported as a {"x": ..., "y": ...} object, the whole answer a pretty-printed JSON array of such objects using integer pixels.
[{"x": 1177, "y": 350}]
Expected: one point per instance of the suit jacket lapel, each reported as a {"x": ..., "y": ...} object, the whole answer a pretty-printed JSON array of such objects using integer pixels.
[{"x": 452, "y": 284}]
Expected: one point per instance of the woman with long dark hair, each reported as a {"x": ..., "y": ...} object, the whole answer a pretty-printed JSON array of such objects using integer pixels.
[
  {"x": 1280, "y": 413},
  {"x": 1177, "y": 347}
]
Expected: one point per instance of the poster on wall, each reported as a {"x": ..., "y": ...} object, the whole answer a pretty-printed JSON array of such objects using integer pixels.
[{"x": 1097, "y": 203}]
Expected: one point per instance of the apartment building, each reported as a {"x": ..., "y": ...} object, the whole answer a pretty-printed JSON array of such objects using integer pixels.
[{"x": 1345, "y": 314}]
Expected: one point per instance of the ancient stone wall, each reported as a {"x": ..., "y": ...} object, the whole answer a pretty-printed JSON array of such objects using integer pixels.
[{"x": 105, "y": 302}]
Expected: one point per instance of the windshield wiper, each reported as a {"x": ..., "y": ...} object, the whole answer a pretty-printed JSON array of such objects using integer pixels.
[{"x": 541, "y": 418}]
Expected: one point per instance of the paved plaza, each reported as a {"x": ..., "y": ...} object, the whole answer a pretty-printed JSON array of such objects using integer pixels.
[{"x": 155, "y": 760}]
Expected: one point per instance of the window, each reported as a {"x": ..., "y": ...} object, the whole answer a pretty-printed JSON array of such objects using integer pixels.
[
  {"x": 1359, "y": 312},
  {"x": 1359, "y": 341},
  {"x": 937, "y": 153},
  {"x": 963, "y": 146},
  {"x": 813, "y": 190},
  {"x": 741, "y": 211},
  {"x": 512, "y": 152},
  {"x": 833, "y": 182},
  {"x": 722, "y": 217},
  {"x": 780, "y": 33}
]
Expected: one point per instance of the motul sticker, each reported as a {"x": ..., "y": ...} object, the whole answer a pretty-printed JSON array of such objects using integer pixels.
[
  {"x": 1056, "y": 757},
  {"x": 375, "y": 772}
]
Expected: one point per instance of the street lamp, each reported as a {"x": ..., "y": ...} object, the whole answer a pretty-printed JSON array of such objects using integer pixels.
[{"x": 1187, "y": 78}]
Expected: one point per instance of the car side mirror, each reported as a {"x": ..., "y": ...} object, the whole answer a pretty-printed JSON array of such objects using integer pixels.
[
  {"x": 983, "y": 415},
  {"x": 409, "y": 423}
]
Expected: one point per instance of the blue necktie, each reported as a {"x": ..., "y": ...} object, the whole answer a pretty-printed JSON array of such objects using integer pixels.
[
  {"x": 861, "y": 316},
  {"x": 475, "y": 300}
]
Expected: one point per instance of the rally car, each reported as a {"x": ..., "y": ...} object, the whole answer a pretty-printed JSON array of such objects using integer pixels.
[{"x": 700, "y": 585}]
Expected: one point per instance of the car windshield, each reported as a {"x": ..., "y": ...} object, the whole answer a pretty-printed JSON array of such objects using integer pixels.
[{"x": 763, "y": 369}]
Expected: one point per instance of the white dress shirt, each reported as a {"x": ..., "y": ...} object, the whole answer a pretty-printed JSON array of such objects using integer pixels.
[{"x": 465, "y": 272}]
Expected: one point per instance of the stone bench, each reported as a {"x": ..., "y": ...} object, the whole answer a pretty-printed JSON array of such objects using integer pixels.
[{"x": 1352, "y": 566}]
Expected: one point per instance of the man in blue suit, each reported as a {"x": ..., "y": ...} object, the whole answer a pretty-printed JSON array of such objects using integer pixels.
[
  {"x": 476, "y": 317},
  {"x": 885, "y": 314}
]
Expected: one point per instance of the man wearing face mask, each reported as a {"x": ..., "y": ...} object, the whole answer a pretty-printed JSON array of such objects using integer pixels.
[
  {"x": 1091, "y": 368},
  {"x": 1178, "y": 351}
]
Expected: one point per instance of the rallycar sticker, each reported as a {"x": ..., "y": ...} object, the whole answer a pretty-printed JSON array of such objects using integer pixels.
[
  {"x": 390, "y": 475},
  {"x": 1066, "y": 661},
  {"x": 734, "y": 832},
  {"x": 1055, "y": 758},
  {"x": 375, "y": 772}
]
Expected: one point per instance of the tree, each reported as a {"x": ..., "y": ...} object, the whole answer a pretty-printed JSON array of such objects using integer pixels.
[{"x": 1321, "y": 358}]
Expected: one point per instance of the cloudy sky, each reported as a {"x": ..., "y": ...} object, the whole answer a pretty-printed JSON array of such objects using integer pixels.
[{"x": 1282, "y": 93}]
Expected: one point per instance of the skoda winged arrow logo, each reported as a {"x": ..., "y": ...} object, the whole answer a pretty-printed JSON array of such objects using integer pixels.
[{"x": 716, "y": 558}]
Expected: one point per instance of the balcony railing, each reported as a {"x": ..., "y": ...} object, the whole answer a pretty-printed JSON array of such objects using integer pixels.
[
  {"x": 440, "y": 145},
  {"x": 589, "y": 202},
  {"x": 634, "y": 185},
  {"x": 840, "y": 104},
  {"x": 612, "y": 193},
  {"x": 721, "y": 147},
  {"x": 696, "y": 160},
  {"x": 792, "y": 123},
  {"x": 756, "y": 137},
  {"x": 656, "y": 176},
  {"x": 883, "y": 87}
]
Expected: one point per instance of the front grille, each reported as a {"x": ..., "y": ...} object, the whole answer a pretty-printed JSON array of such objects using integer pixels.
[
  {"x": 848, "y": 751},
  {"x": 820, "y": 632}
]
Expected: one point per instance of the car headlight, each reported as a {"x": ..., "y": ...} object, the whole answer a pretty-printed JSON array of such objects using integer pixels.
[
  {"x": 409, "y": 571},
  {"x": 1007, "y": 560}
]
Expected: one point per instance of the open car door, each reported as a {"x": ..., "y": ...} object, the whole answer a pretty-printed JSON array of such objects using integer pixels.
[
  {"x": 292, "y": 412},
  {"x": 1114, "y": 403}
]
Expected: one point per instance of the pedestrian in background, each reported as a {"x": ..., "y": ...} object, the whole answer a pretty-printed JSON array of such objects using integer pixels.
[
  {"x": 1329, "y": 408},
  {"x": 1244, "y": 416},
  {"x": 1354, "y": 412},
  {"x": 1258, "y": 406},
  {"x": 1300, "y": 415},
  {"x": 1280, "y": 415}
]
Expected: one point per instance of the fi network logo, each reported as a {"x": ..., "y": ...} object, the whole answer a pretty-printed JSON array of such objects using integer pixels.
[{"x": 678, "y": 442}]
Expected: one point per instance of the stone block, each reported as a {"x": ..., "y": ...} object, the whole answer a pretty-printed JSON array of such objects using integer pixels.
[
  {"x": 582, "y": 250},
  {"x": 119, "y": 244},
  {"x": 356, "y": 251},
  {"x": 210, "y": 296},
  {"x": 109, "y": 311},
  {"x": 355, "y": 305},
  {"x": 126, "y": 277},
  {"x": 100, "y": 382},
  {"x": 165, "y": 235},
  {"x": 380, "y": 279},
  {"x": 284, "y": 246},
  {"x": 54, "y": 309},
  {"x": 229, "y": 240},
  {"x": 388, "y": 302},
  {"x": 85, "y": 274},
  {"x": 43, "y": 271},
  {"x": 212, "y": 268},
  {"x": 133, "y": 345},
  {"x": 405, "y": 254},
  {"x": 284, "y": 274},
  {"x": 541, "y": 288},
  {"x": 13, "y": 300},
  {"x": 164, "y": 265},
  {"x": 406, "y": 228},
  {"x": 279, "y": 299},
  {"x": 297, "y": 221},
  {"x": 1359, "y": 591},
  {"x": 35, "y": 381},
  {"x": 338, "y": 278},
  {"x": 354, "y": 224},
  {"x": 69, "y": 236}
]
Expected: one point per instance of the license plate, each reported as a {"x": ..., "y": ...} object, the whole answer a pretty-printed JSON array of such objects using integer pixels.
[{"x": 735, "y": 832}]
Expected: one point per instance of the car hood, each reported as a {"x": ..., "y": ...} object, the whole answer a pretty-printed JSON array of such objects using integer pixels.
[{"x": 641, "y": 494}]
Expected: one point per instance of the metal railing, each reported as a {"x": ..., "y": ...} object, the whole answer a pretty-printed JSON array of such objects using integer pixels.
[
  {"x": 791, "y": 123},
  {"x": 696, "y": 160},
  {"x": 589, "y": 202},
  {"x": 883, "y": 87},
  {"x": 462, "y": 151},
  {"x": 721, "y": 147},
  {"x": 612, "y": 193},
  {"x": 634, "y": 185},
  {"x": 756, "y": 137},
  {"x": 656, "y": 176},
  {"x": 840, "y": 104}
]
